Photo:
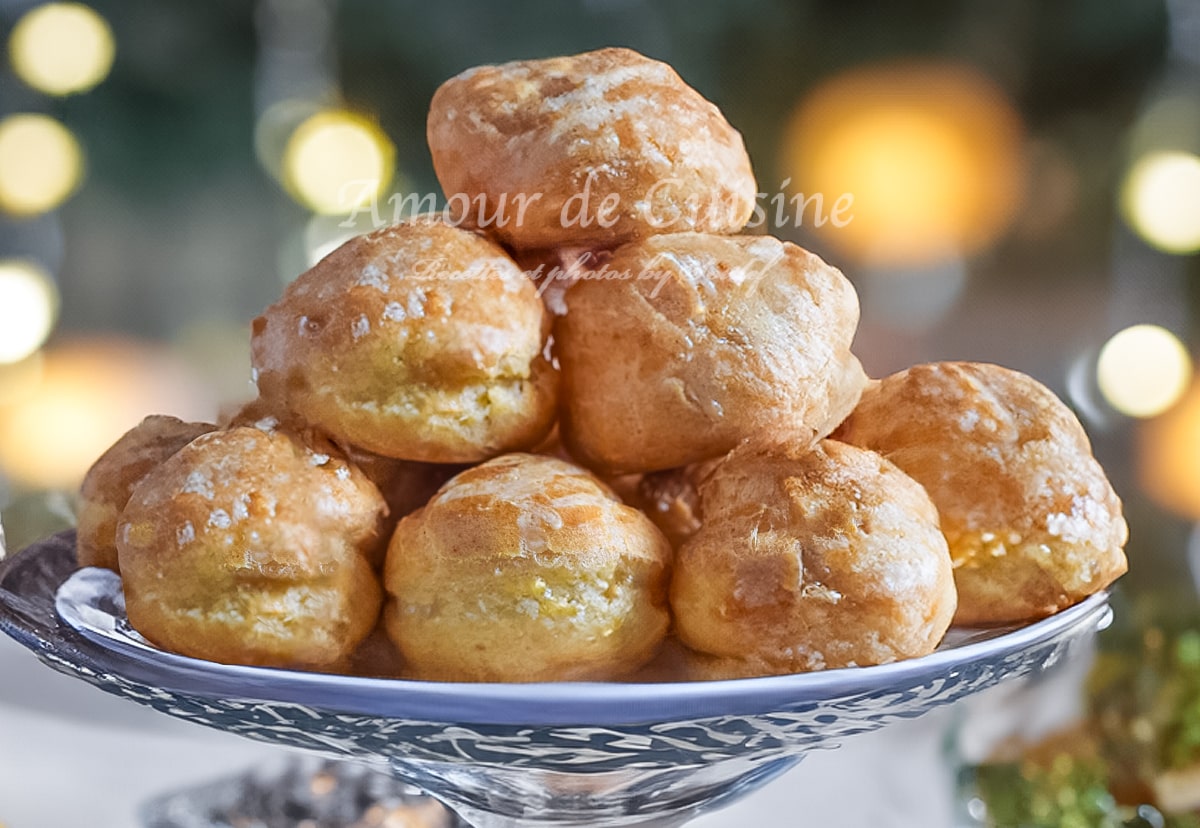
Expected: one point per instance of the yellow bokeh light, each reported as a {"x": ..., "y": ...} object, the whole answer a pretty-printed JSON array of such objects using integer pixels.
[
  {"x": 275, "y": 127},
  {"x": 932, "y": 155},
  {"x": 87, "y": 395},
  {"x": 337, "y": 161},
  {"x": 60, "y": 48},
  {"x": 19, "y": 379},
  {"x": 1168, "y": 456},
  {"x": 1143, "y": 370},
  {"x": 28, "y": 308},
  {"x": 41, "y": 164},
  {"x": 1161, "y": 200}
]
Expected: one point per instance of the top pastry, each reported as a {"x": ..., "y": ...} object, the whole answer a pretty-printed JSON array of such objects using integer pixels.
[{"x": 590, "y": 150}]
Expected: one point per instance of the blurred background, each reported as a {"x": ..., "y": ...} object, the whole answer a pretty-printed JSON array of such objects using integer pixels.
[{"x": 1023, "y": 180}]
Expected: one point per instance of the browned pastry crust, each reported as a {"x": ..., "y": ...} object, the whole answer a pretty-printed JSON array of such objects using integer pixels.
[
  {"x": 252, "y": 547},
  {"x": 671, "y": 499},
  {"x": 376, "y": 656},
  {"x": 1033, "y": 524},
  {"x": 810, "y": 560},
  {"x": 526, "y": 568},
  {"x": 264, "y": 414},
  {"x": 688, "y": 344},
  {"x": 107, "y": 485},
  {"x": 624, "y": 486},
  {"x": 590, "y": 150},
  {"x": 406, "y": 485},
  {"x": 552, "y": 446},
  {"x": 555, "y": 270},
  {"x": 420, "y": 341}
]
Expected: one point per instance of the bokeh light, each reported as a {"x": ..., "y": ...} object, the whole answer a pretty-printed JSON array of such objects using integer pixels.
[
  {"x": 325, "y": 234},
  {"x": 1168, "y": 456},
  {"x": 275, "y": 127},
  {"x": 88, "y": 394},
  {"x": 1170, "y": 121},
  {"x": 41, "y": 164},
  {"x": 1161, "y": 200},
  {"x": 337, "y": 161},
  {"x": 1143, "y": 370},
  {"x": 28, "y": 308},
  {"x": 19, "y": 379},
  {"x": 931, "y": 154},
  {"x": 61, "y": 48}
]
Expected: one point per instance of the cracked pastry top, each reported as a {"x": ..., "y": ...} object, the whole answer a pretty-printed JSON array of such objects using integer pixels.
[
  {"x": 810, "y": 560},
  {"x": 684, "y": 345},
  {"x": 589, "y": 150}
]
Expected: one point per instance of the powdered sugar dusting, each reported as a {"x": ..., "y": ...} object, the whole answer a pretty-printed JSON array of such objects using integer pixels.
[
  {"x": 394, "y": 312},
  {"x": 330, "y": 504},
  {"x": 1079, "y": 526},
  {"x": 360, "y": 327},
  {"x": 373, "y": 276},
  {"x": 198, "y": 482},
  {"x": 185, "y": 534}
]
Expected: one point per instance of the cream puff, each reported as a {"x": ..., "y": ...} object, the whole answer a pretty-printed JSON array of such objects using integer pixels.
[
  {"x": 420, "y": 341},
  {"x": 683, "y": 346},
  {"x": 1033, "y": 524},
  {"x": 106, "y": 487},
  {"x": 253, "y": 546},
  {"x": 590, "y": 150},
  {"x": 810, "y": 559},
  {"x": 526, "y": 568}
]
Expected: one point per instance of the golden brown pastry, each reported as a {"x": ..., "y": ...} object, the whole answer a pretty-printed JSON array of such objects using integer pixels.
[
  {"x": 624, "y": 486},
  {"x": 671, "y": 499},
  {"x": 688, "y": 344},
  {"x": 252, "y": 547},
  {"x": 1033, "y": 524},
  {"x": 590, "y": 150},
  {"x": 376, "y": 656},
  {"x": 526, "y": 568},
  {"x": 405, "y": 484},
  {"x": 420, "y": 341},
  {"x": 811, "y": 559},
  {"x": 261, "y": 413},
  {"x": 107, "y": 485},
  {"x": 554, "y": 271}
]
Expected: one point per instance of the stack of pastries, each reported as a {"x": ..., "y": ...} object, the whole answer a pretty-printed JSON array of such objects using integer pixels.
[{"x": 536, "y": 439}]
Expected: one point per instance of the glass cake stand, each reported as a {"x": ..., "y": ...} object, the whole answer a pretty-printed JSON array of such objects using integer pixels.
[{"x": 506, "y": 755}]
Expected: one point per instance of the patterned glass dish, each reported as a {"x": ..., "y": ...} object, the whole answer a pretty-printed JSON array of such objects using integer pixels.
[{"x": 500, "y": 755}]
